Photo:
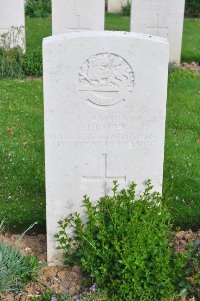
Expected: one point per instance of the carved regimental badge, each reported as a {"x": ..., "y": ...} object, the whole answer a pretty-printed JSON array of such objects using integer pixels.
[{"x": 106, "y": 79}]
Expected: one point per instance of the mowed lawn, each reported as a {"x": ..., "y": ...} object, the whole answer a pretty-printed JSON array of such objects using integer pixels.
[
  {"x": 36, "y": 29},
  {"x": 182, "y": 149},
  {"x": 22, "y": 194},
  {"x": 22, "y": 188}
]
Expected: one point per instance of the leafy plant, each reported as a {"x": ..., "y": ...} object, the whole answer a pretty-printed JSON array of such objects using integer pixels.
[
  {"x": 124, "y": 245},
  {"x": 16, "y": 269},
  {"x": 126, "y": 8},
  {"x": 15, "y": 64},
  {"x": 11, "y": 53},
  {"x": 11, "y": 63},
  {"x": 38, "y": 8},
  {"x": 191, "y": 283},
  {"x": 32, "y": 63}
]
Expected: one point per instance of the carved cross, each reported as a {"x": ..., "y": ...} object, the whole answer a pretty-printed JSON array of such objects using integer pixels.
[
  {"x": 105, "y": 178},
  {"x": 78, "y": 27},
  {"x": 159, "y": 29}
]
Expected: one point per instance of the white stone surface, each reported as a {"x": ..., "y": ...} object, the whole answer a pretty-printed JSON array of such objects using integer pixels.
[
  {"x": 105, "y": 100},
  {"x": 77, "y": 15},
  {"x": 162, "y": 18},
  {"x": 12, "y": 23},
  {"x": 115, "y": 6}
]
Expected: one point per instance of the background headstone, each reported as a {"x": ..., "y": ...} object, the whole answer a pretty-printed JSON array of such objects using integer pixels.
[
  {"x": 105, "y": 101},
  {"x": 12, "y": 23},
  {"x": 161, "y": 18},
  {"x": 115, "y": 6},
  {"x": 77, "y": 15}
]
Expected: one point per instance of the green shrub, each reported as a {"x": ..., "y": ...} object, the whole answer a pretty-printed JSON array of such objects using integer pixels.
[
  {"x": 16, "y": 269},
  {"x": 38, "y": 8},
  {"x": 126, "y": 8},
  {"x": 125, "y": 245},
  {"x": 15, "y": 64},
  {"x": 192, "y": 8},
  {"x": 10, "y": 56},
  {"x": 191, "y": 285},
  {"x": 32, "y": 63},
  {"x": 11, "y": 63}
]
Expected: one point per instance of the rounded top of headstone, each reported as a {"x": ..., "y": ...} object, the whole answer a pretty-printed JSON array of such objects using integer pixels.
[{"x": 104, "y": 34}]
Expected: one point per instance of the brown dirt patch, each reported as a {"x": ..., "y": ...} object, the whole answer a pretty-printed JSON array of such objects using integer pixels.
[
  {"x": 191, "y": 66},
  {"x": 64, "y": 279},
  {"x": 60, "y": 279},
  {"x": 184, "y": 238}
]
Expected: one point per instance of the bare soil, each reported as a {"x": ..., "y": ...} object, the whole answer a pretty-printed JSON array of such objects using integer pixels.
[
  {"x": 64, "y": 279},
  {"x": 59, "y": 279},
  {"x": 191, "y": 66}
]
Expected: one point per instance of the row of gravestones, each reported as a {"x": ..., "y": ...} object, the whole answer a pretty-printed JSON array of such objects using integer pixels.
[
  {"x": 157, "y": 17},
  {"x": 104, "y": 102}
]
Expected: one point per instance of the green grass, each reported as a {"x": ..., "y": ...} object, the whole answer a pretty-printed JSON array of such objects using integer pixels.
[
  {"x": 191, "y": 41},
  {"x": 116, "y": 22},
  {"x": 22, "y": 156},
  {"x": 36, "y": 29},
  {"x": 182, "y": 149},
  {"x": 22, "y": 193}
]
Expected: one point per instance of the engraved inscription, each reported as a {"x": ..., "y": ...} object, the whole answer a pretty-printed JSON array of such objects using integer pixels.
[
  {"x": 105, "y": 178},
  {"x": 159, "y": 30},
  {"x": 106, "y": 79},
  {"x": 115, "y": 140}
]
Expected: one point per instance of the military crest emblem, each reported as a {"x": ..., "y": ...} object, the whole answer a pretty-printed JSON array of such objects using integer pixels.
[{"x": 106, "y": 79}]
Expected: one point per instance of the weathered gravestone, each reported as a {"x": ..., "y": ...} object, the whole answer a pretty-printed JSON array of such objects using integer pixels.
[
  {"x": 12, "y": 24},
  {"x": 161, "y": 18},
  {"x": 77, "y": 15},
  {"x": 105, "y": 98}
]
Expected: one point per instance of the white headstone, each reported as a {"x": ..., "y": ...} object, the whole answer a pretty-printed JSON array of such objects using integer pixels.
[
  {"x": 161, "y": 18},
  {"x": 115, "y": 6},
  {"x": 77, "y": 15},
  {"x": 12, "y": 23},
  {"x": 105, "y": 100}
]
